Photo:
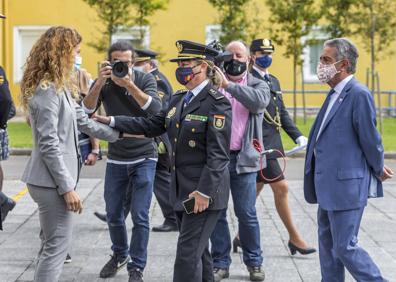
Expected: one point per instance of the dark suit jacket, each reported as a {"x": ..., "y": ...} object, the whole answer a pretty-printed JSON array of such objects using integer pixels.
[
  {"x": 200, "y": 137},
  {"x": 348, "y": 152},
  {"x": 271, "y": 135},
  {"x": 5, "y": 100}
]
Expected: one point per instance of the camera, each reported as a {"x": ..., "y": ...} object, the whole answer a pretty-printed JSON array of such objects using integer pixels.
[
  {"x": 120, "y": 69},
  {"x": 223, "y": 56}
]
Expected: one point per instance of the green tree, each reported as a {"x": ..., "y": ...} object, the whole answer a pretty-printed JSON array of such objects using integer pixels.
[
  {"x": 145, "y": 9},
  {"x": 232, "y": 19},
  {"x": 113, "y": 14},
  {"x": 337, "y": 15},
  {"x": 116, "y": 15},
  {"x": 374, "y": 22},
  {"x": 290, "y": 21}
]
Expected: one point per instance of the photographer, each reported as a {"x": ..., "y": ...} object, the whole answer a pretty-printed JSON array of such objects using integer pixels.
[
  {"x": 130, "y": 162},
  {"x": 249, "y": 97}
]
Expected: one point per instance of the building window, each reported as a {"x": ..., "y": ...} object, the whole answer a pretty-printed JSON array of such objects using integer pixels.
[
  {"x": 311, "y": 54},
  {"x": 24, "y": 39},
  {"x": 212, "y": 32},
  {"x": 133, "y": 36}
]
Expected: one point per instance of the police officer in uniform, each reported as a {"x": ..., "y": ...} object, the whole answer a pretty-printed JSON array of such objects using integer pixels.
[
  {"x": 7, "y": 110},
  {"x": 198, "y": 123},
  {"x": 146, "y": 61},
  {"x": 276, "y": 118}
]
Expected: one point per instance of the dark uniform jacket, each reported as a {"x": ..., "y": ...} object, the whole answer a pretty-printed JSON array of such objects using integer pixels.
[
  {"x": 6, "y": 104},
  {"x": 200, "y": 137},
  {"x": 271, "y": 134},
  {"x": 164, "y": 92}
]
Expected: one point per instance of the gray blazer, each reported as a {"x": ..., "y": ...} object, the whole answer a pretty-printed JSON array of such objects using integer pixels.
[
  {"x": 255, "y": 97},
  {"x": 55, "y": 118}
]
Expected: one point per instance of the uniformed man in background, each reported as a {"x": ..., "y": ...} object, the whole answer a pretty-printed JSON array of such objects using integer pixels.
[
  {"x": 7, "y": 110},
  {"x": 146, "y": 61}
]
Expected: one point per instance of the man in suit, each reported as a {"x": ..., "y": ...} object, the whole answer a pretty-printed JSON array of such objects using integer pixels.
[
  {"x": 198, "y": 123},
  {"x": 344, "y": 165}
]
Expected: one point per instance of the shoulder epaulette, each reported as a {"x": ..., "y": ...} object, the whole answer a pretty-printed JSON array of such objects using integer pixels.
[
  {"x": 181, "y": 91},
  {"x": 215, "y": 94}
]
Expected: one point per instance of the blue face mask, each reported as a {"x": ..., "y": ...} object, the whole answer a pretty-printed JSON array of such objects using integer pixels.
[
  {"x": 77, "y": 62},
  {"x": 264, "y": 61}
]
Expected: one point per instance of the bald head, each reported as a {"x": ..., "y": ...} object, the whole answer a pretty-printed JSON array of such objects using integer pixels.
[{"x": 238, "y": 46}]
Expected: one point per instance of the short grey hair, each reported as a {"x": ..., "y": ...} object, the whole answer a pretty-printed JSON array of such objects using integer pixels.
[{"x": 345, "y": 50}]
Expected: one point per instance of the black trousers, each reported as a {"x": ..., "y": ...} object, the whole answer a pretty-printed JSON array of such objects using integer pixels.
[
  {"x": 193, "y": 260},
  {"x": 162, "y": 186}
]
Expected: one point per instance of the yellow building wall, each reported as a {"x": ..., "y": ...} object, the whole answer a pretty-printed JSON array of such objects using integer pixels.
[{"x": 182, "y": 20}]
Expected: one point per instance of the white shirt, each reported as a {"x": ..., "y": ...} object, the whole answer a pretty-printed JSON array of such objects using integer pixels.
[
  {"x": 199, "y": 88},
  {"x": 337, "y": 91},
  {"x": 261, "y": 72}
]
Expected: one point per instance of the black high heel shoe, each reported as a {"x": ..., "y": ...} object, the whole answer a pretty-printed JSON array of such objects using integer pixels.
[
  {"x": 294, "y": 249},
  {"x": 235, "y": 244}
]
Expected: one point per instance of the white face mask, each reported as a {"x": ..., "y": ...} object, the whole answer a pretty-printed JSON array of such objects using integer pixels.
[
  {"x": 77, "y": 61},
  {"x": 139, "y": 68},
  {"x": 326, "y": 72}
]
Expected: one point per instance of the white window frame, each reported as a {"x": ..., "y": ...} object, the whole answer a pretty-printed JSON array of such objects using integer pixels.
[
  {"x": 129, "y": 34},
  {"x": 317, "y": 34},
  {"x": 18, "y": 60},
  {"x": 210, "y": 31}
]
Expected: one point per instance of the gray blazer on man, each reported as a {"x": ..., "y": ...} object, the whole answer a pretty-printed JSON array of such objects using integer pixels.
[
  {"x": 55, "y": 118},
  {"x": 255, "y": 97}
]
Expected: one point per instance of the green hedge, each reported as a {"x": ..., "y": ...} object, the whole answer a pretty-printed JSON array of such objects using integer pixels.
[{"x": 21, "y": 137}]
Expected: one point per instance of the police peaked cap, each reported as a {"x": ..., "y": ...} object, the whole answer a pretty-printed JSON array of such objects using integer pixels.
[
  {"x": 189, "y": 50},
  {"x": 145, "y": 54},
  {"x": 264, "y": 45}
]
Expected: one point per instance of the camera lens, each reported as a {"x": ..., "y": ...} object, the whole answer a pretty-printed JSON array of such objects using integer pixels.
[{"x": 120, "y": 69}]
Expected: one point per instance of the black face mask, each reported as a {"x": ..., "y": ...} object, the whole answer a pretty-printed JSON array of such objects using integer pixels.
[{"x": 235, "y": 67}]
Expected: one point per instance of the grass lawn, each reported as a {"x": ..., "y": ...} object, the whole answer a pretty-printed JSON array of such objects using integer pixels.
[{"x": 21, "y": 137}]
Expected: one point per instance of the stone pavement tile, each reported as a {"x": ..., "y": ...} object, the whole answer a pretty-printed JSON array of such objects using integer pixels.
[{"x": 91, "y": 242}]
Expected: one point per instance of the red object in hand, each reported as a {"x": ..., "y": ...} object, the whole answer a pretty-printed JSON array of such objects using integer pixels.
[{"x": 259, "y": 148}]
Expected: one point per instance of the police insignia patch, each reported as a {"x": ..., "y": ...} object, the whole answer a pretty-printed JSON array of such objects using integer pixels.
[
  {"x": 1, "y": 79},
  {"x": 218, "y": 121},
  {"x": 171, "y": 112},
  {"x": 179, "y": 47}
]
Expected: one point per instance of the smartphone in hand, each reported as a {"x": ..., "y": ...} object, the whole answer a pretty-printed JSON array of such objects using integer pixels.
[{"x": 189, "y": 205}]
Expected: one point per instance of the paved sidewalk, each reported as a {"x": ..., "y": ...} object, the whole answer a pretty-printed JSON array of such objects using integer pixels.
[{"x": 19, "y": 242}]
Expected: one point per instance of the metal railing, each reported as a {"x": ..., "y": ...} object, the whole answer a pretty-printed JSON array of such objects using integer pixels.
[{"x": 388, "y": 110}]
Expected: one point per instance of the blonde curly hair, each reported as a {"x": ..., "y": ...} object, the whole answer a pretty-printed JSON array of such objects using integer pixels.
[{"x": 50, "y": 61}]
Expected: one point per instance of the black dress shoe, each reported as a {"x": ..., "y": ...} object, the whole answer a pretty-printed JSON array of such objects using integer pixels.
[
  {"x": 7, "y": 206},
  {"x": 165, "y": 228},
  {"x": 101, "y": 216},
  {"x": 294, "y": 249},
  {"x": 235, "y": 244}
]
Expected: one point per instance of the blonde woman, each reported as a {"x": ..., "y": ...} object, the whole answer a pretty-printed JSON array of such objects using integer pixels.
[{"x": 53, "y": 169}]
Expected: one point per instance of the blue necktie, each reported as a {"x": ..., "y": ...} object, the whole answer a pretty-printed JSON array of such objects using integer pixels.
[{"x": 188, "y": 97}]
